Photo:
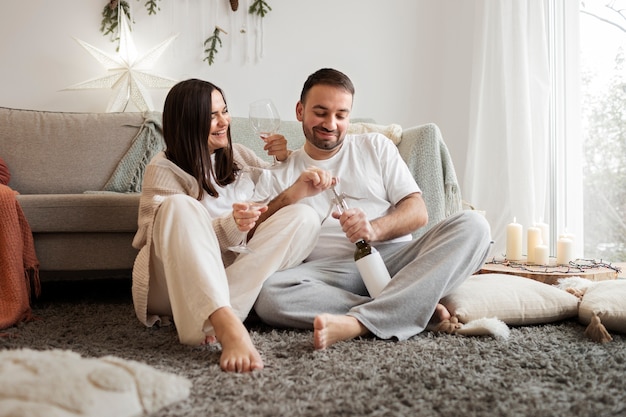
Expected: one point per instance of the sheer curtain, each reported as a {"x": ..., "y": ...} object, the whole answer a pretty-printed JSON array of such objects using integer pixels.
[{"x": 510, "y": 163}]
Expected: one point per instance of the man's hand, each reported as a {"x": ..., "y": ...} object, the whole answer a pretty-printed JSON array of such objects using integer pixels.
[
  {"x": 311, "y": 181},
  {"x": 407, "y": 216},
  {"x": 355, "y": 225}
]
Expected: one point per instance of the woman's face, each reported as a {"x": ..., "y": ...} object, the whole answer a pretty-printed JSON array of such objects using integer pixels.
[{"x": 220, "y": 119}]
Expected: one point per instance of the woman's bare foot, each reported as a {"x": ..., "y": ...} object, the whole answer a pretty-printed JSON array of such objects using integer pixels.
[
  {"x": 238, "y": 352},
  {"x": 209, "y": 340},
  {"x": 329, "y": 329}
]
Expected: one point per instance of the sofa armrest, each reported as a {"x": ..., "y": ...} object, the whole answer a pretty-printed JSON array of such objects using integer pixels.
[{"x": 427, "y": 156}]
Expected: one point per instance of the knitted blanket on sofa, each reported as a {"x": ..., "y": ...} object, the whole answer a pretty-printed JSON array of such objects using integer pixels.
[
  {"x": 129, "y": 172},
  {"x": 19, "y": 267}
]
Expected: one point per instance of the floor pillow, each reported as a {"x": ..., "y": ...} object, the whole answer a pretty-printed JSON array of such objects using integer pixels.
[
  {"x": 602, "y": 306},
  {"x": 60, "y": 383},
  {"x": 512, "y": 299}
]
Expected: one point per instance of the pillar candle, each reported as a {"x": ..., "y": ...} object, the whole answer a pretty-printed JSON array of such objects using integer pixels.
[
  {"x": 532, "y": 240},
  {"x": 514, "y": 241},
  {"x": 545, "y": 233},
  {"x": 564, "y": 250},
  {"x": 541, "y": 255}
]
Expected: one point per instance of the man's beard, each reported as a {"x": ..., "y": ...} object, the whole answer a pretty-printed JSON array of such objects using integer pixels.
[{"x": 324, "y": 145}]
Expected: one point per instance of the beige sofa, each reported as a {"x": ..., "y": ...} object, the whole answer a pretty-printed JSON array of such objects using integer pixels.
[{"x": 79, "y": 174}]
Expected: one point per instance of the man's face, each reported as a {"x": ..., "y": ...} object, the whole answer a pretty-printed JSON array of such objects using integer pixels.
[{"x": 325, "y": 116}]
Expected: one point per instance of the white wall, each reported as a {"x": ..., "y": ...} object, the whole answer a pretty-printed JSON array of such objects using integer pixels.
[{"x": 410, "y": 60}]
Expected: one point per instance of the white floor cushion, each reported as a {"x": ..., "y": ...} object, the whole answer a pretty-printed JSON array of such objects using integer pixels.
[
  {"x": 607, "y": 300},
  {"x": 55, "y": 383},
  {"x": 512, "y": 299}
]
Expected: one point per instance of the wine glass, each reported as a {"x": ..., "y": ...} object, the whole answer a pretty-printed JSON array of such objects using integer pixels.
[
  {"x": 264, "y": 118},
  {"x": 244, "y": 194}
]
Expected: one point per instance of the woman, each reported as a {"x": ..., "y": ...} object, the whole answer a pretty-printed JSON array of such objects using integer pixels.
[{"x": 188, "y": 219}]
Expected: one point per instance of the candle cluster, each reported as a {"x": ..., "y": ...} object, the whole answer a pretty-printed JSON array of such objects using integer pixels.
[{"x": 537, "y": 244}]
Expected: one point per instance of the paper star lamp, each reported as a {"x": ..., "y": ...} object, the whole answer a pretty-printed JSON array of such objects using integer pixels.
[{"x": 129, "y": 77}]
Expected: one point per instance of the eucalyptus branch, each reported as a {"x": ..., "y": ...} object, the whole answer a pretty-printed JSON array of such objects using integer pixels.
[
  {"x": 213, "y": 40},
  {"x": 152, "y": 7},
  {"x": 110, "y": 17},
  {"x": 259, "y": 7}
]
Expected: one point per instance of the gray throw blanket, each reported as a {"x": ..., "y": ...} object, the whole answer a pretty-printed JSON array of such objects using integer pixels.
[
  {"x": 128, "y": 175},
  {"x": 429, "y": 161}
]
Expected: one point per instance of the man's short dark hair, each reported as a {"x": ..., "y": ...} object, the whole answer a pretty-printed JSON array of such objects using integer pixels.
[{"x": 327, "y": 76}]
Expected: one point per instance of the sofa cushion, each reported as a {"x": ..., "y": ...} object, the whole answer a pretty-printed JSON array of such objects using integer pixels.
[
  {"x": 71, "y": 213},
  {"x": 62, "y": 152},
  {"x": 95, "y": 252},
  {"x": 392, "y": 131}
]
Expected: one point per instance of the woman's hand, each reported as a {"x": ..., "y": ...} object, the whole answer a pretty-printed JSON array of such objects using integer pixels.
[
  {"x": 276, "y": 146},
  {"x": 246, "y": 214}
]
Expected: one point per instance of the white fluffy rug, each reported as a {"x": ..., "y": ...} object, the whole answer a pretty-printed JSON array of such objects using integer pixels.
[{"x": 61, "y": 383}]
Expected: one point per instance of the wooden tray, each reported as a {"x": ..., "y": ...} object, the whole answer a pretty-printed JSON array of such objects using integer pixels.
[{"x": 550, "y": 274}]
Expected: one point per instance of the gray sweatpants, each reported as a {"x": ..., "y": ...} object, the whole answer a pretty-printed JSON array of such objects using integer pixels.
[{"x": 423, "y": 271}]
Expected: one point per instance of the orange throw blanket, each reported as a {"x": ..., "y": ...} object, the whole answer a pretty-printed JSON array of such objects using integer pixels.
[{"x": 19, "y": 267}]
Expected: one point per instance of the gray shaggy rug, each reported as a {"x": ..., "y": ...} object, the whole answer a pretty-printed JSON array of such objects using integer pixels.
[{"x": 545, "y": 370}]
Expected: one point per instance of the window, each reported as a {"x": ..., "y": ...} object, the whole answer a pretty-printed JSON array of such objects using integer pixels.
[{"x": 603, "y": 127}]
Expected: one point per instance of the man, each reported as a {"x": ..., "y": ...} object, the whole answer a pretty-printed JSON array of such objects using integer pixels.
[{"x": 326, "y": 292}]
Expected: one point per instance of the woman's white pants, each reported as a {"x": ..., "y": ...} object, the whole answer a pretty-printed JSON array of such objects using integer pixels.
[{"x": 188, "y": 280}]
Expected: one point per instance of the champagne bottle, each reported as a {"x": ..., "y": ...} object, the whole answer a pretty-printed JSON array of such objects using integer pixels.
[
  {"x": 371, "y": 267},
  {"x": 368, "y": 260}
]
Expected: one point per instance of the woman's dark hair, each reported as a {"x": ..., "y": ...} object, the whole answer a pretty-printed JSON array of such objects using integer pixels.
[
  {"x": 327, "y": 76},
  {"x": 186, "y": 128}
]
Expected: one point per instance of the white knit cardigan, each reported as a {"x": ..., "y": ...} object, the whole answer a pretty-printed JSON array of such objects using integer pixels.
[{"x": 162, "y": 179}]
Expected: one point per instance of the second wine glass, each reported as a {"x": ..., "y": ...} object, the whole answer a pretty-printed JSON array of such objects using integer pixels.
[
  {"x": 244, "y": 189},
  {"x": 264, "y": 118}
]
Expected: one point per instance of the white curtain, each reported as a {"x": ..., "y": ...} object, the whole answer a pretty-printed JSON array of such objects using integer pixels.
[{"x": 507, "y": 169}]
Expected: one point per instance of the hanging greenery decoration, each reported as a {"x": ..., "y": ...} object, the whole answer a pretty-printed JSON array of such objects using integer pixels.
[
  {"x": 213, "y": 40},
  {"x": 110, "y": 19},
  {"x": 152, "y": 7},
  {"x": 259, "y": 7}
]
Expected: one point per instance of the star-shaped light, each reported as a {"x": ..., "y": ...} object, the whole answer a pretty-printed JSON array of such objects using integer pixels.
[{"x": 127, "y": 75}]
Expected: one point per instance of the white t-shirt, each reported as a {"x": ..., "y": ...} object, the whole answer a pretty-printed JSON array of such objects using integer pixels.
[
  {"x": 242, "y": 189},
  {"x": 369, "y": 168}
]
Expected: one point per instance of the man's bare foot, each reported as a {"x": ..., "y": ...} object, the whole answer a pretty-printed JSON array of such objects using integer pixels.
[
  {"x": 441, "y": 320},
  {"x": 329, "y": 329},
  {"x": 238, "y": 352},
  {"x": 441, "y": 313}
]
